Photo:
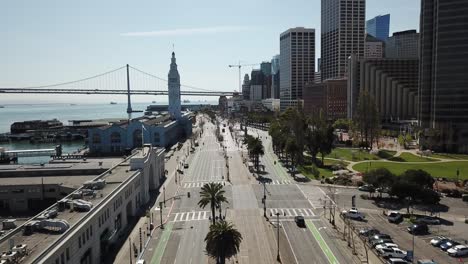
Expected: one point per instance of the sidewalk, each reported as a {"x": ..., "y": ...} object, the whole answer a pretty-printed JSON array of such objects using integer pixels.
[{"x": 133, "y": 244}]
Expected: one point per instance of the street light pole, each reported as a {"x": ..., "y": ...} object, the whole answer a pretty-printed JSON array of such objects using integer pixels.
[
  {"x": 160, "y": 213},
  {"x": 278, "y": 257},
  {"x": 164, "y": 194}
]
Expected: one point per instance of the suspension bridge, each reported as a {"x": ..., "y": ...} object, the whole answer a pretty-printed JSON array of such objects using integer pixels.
[{"x": 126, "y": 80}]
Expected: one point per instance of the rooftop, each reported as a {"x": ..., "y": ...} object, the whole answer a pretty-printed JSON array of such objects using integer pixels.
[{"x": 39, "y": 244}]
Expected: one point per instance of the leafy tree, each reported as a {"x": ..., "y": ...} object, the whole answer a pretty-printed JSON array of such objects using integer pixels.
[
  {"x": 222, "y": 241},
  {"x": 380, "y": 178},
  {"x": 292, "y": 149},
  {"x": 212, "y": 194},
  {"x": 405, "y": 191},
  {"x": 367, "y": 120},
  {"x": 326, "y": 142},
  {"x": 342, "y": 123},
  {"x": 419, "y": 177}
]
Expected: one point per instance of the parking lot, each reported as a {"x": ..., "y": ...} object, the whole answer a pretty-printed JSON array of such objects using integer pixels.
[{"x": 452, "y": 226}]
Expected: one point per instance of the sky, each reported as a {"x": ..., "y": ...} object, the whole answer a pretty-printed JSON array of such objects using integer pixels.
[{"x": 53, "y": 41}]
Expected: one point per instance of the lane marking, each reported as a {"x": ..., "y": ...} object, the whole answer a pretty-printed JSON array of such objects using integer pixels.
[
  {"x": 159, "y": 252},
  {"x": 290, "y": 245},
  {"x": 323, "y": 245}
]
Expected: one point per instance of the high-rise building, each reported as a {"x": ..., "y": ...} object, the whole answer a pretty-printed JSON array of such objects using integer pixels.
[
  {"x": 265, "y": 67},
  {"x": 391, "y": 82},
  {"x": 373, "y": 48},
  {"x": 246, "y": 88},
  {"x": 443, "y": 80},
  {"x": 328, "y": 97},
  {"x": 257, "y": 85},
  {"x": 297, "y": 63},
  {"x": 403, "y": 45},
  {"x": 379, "y": 27},
  {"x": 275, "y": 78},
  {"x": 343, "y": 34},
  {"x": 174, "y": 89}
]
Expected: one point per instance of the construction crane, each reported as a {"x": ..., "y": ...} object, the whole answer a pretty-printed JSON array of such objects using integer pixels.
[{"x": 240, "y": 66}]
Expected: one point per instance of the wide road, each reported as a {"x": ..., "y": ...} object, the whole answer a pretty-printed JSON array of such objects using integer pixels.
[{"x": 182, "y": 239}]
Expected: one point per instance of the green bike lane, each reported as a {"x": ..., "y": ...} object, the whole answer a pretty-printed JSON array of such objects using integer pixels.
[
  {"x": 327, "y": 251},
  {"x": 162, "y": 244}
]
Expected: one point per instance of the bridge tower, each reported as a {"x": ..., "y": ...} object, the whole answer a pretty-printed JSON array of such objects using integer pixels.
[{"x": 129, "y": 103}]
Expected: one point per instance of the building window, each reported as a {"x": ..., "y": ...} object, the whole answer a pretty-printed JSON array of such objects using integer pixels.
[
  {"x": 79, "y": 242},
  {"x": 96, "y": 138},
  {"x": 115, "y": 137},
  {"x": 67, "y": 253}
]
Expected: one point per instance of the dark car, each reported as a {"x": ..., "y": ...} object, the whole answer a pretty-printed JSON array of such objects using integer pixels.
[
  {"x": 448, "y": 245},
  {"x": 418, "y": 229},
  {"x": 299, "y": 221},
  {"x": 367, "y": 232}
]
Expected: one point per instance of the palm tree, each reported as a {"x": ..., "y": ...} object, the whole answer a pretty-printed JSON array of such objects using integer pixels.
[
  {"x": 257, "y": 150},
  {"x": 213, "y": 194},
  {"x": 222, "y": 241}
]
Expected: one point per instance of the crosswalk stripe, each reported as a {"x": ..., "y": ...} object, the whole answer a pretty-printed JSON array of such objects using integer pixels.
[
  {"x": 181, "y": 216},
  {"x": 311, "y": 212},
  {"x": 295, "y": 213}
]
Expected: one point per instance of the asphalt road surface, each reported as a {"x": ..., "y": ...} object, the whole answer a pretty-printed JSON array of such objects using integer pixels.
[{"x": 182, "y": 239}]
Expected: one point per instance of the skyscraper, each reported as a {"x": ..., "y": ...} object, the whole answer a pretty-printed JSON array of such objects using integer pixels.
[
  {"x": 373, "y": 48},
  {"x": 403, "y": 45},
  {"x": 297, "y": 63},
  {"x": 174, "y": 89},
  {"x": 246, "y": 87},
  {"x": 343, "y": 34},
  {"x": 443, "y": 81},
  {"x": 275, "y": 78},
  {"x": 379, "y": 27}
]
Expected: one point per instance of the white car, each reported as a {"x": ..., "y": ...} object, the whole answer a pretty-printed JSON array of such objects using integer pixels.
[
  {"x": 392, "y": 253},
  {"x": 438, "y": 240},
  {"x": 458, "y": 251},
  {"x": 386, "y": 245},
  {"x": 353, "y": 214}
]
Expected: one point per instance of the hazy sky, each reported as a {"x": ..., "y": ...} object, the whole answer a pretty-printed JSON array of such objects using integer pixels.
[{"x": 52, "y": 41}]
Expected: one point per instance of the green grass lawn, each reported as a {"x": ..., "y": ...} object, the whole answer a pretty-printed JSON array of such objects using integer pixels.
[
  {"x": 351, "y": 154},
  {"x": 450, "y": 156},
  {"x": 439, "y": 169},
  {"x": 325, "y": 171},
  {"x": 409, "y": 157},
  {"x": 386, "y": 154}
]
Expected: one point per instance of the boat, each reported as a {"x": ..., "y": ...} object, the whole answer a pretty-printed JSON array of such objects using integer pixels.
[
  {"x": 1, "y": 106},
  {"x": 186, "y": 101},
  {"x": 153, "y": 102},
  {"x": 112, "y": 103}
]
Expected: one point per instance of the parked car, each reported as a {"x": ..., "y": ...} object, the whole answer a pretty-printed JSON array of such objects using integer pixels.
[
  {"x": 448, "y": 245},
  {"x": 397, "y": 261},
  {"x": 299, "y": 221},
  {"x": 353, "y": 214},
  {"x": 367, "y": 232},
  {"x": 418, "y": 229},
  {"x": 377, "y": 242},
  {"x": 392, "y": 253},
  {"x": 367, "y": 188},
  {"x": 386, "y": 245},
  {"x": 458, "y": 251},
  {"x": 186, "y": 166},
  {"x": 426, "y": 261},
  {"x": 394, "y": 217},
  {"x": 428, "y": 220},
  {"x": 438, "y": 240}
]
